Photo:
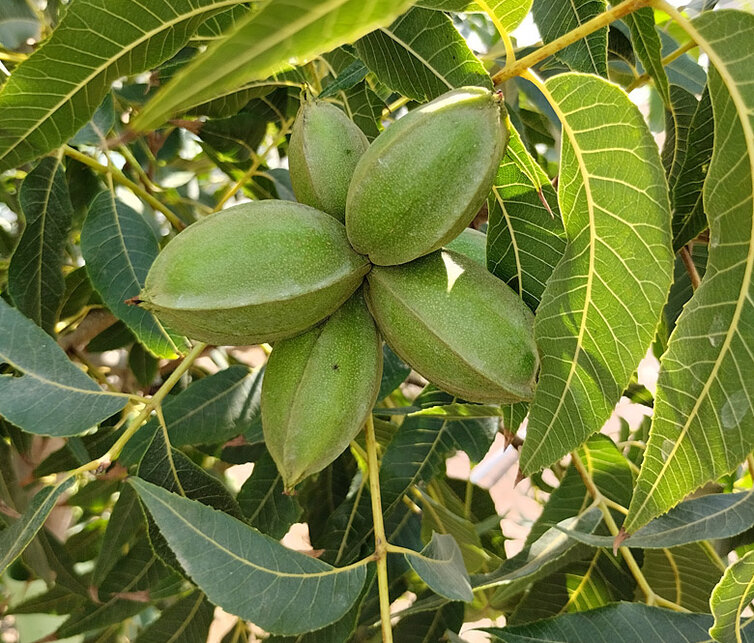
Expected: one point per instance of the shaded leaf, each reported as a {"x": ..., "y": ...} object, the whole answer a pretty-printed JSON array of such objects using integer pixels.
[
  {"x": 544, "y": 556},
  {"x": 282, "y": 33},
  {"x": 394, "y": 372},
  {"x": 14, "y": 539},
  {"x": 431, "y": 625},
  {"x": 684, "y": 575},
  {"x": 440, "y": 565},
  {"x": 417, "y": 452},
  {"x": 555, "y": 18},
  {"x": 53, "y": 396},
  {"x": 209, "y": 544},
  {"x": 263, "y": 503},
  {"x": 119, "y": 246},
  {"x": 624, "y": 623},
  {"x": 703, "y": 406},
  {"x": 689, "y": 218},
  {"x": 185, "y": 621},
  {"x": 648, "y": 48},
  {"x": 710, "y": 517},
  {"x": 35, "y": 278},
  {"x": 600, "y": 309},
  {"x": 422, "y": 55},
  {"x": 525, "y": 239}
]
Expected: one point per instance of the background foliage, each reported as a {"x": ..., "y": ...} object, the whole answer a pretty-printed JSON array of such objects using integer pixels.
[{"x": 622, "y": 214}]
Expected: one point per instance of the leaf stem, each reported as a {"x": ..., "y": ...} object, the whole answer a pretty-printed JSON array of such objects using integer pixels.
[
  {"x": 258, "y": 159},
  {"x": 123, "y": 180},
  {"x": 100, "y": 464},
  {"x": 590, "y": 26},
  {"x": 510, "y": 53},
  {"x": 688, "y": 263},
  {"x": 380, "y": 540},
  {"x": 643, "y": 78},
  {"x": 601, "y": 502}
]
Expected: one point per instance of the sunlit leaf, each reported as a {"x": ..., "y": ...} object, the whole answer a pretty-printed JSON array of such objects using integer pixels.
[
  {"x": 703, "y": 407},
  {"x": 730, "y": 597},
  {"x": 602, "y": 304},
  {"x": 97, "y": 42},
  {"x": 282, "y": 33}
]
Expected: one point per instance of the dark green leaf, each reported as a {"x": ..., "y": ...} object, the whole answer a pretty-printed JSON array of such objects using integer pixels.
[
  {"x": 622, "y": 623},
  {"x": 14, "y": 539},
  {"x": 440, "y": 565},
  {"x": 119, "y": 246},
  {"x": 417, "y": 452},
  {"x": 35, "y": 278},
  {"x": 185, "y": 621},
  {"x": 394, "y": 372},
  {"x": 525, "y": 239},
  {"x": 263, "y": 503},
  {"x": 689, "y": 218},
  {"x": 557, "y": 17},
  {"x": 422, "y": 55},
  {"x": 648, "y": 48},
  {"x": 210, "y": 545},
  {"x": 53, "y": 397}
]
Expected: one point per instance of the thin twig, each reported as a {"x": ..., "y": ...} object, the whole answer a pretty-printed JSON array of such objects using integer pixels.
[
  {"x": 590, "y": 26},
  {"x": 688, "y": 263}
]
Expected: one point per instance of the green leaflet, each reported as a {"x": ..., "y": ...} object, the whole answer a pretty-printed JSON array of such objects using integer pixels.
[
  {"x": 407, "y": 56},
  {"x": 280, "y": 34},
  {"x": 14, "y": 539},
  {"x": 35, "y": 278},
  {"x": 185, "y": 621},
  {"x": 440, "y": 565},
  {"x": 620, "y": 623},
  {"x": 719, "y": 515},
  {"x": 703, "y": 408},
  {"x": 730, "y": 597},
  {"x": 210, "y": 545},
  {"x": 96, "y": 42},
  {"x": 600, "y": 308},
  {"x": 684, "y": 574},
  {"x": 525, "y": 239},
  {"x": 53, "y": 397},
  {"x": 557, "y": 17},
  {"x": 119, "y": 246},
  {"x": 648, "y": 48}
]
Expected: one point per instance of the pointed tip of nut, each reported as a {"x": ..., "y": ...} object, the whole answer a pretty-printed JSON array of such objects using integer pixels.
[{"x": 133, "y": 301}]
